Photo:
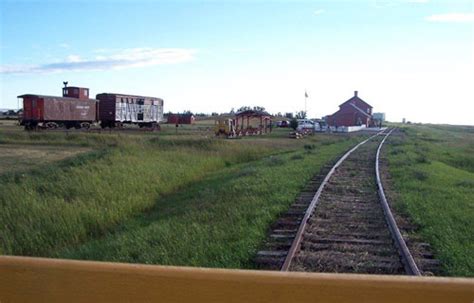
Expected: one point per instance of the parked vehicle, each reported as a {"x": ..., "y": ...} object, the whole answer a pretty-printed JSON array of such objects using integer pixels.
[
  {"x": 283, "y": 123},
  {"x": 304, "y": 124},
  {"x": 225, "y": 127}
]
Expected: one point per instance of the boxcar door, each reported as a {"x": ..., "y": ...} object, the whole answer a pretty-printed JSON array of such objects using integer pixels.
[{"x": 140, "y": 105}]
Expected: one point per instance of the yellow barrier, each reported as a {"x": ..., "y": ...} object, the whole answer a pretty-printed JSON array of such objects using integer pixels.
[{"x": 52, "y": 280}]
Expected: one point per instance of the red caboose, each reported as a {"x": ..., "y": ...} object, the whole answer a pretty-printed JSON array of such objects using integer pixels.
[{"x": 74, "y": 109}]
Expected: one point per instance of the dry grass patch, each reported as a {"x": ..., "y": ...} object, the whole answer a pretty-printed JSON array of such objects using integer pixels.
[{"x": 16, "y": 158}]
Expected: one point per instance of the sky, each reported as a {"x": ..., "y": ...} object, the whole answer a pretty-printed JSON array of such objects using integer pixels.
[{"x": 411, "y": 59}]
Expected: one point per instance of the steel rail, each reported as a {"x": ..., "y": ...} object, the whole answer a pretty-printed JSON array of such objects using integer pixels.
[
  {"x": 407, "y": 258},
  {"x": 299, "y": 235}
]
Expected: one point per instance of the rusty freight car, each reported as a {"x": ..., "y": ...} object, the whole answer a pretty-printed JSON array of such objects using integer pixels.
[
  {"x": 115, "y": 110},
  {"x": 72, "y": 110}
]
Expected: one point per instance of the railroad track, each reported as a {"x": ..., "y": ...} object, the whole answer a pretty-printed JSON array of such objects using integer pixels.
[{"x": 342, "y": 223}]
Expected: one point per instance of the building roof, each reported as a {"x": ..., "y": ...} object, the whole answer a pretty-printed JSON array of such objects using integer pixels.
[
  {"x": 251, "y": 112},
  {"x": 53, "y": 97},
  {"x": 360, "y": 110},
  {"x": 355, "y": 97}
]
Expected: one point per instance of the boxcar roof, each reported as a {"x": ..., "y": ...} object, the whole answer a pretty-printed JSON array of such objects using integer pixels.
[
  {"x": 128, "y": 95},
  {"x": 53, "y": 97}
]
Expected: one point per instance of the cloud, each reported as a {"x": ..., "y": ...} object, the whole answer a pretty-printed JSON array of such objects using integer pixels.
[
  {"x": 118, "y": 59},
  {"x": 318, "y": 12},
  {"x": 392, "y": 3},
  {"x": 451, "y": 17},
  {"x": 64, "y": 45},
  {"x": 417, "y": 1}
]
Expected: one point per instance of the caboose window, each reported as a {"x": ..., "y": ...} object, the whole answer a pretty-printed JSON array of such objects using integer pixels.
[
  {"x": 76, "y": 91},
  {"x": 86, "y": 92}
]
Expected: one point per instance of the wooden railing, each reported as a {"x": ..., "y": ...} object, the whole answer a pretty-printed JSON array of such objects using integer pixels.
[{"x": 25, "y": 279}]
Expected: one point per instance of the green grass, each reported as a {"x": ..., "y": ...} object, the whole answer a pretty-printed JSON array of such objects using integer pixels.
[
  {"x": 83, "y": 197},
  {"x": 214, "y": 194},
  {"x": 433, "y": 172},
  {"x": 219, "y": 221}
]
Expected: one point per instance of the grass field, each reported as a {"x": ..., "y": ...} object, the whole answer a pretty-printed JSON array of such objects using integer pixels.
[
  {"x": 182, "y": 197},
  {"x": 433, "y": 172},
  {"x": 160, "y": 197}
]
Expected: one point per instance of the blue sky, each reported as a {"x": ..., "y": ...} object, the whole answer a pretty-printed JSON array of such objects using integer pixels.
[{"x": 411, "y": 59}]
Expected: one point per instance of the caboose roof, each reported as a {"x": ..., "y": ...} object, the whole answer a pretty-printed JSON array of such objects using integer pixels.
[{"x": 46, "y": 97}]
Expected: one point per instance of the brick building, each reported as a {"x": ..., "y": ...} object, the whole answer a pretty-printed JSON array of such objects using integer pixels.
[{"x": 353, "y": 112}]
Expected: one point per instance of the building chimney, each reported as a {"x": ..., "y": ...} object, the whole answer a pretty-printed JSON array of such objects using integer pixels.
[{"x": 355, "y": 93}]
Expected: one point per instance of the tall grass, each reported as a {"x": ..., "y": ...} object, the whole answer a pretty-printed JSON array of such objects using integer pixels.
[
  {"x": 432, "y": 171},
  {"x": 84, "y": 197},
  {"x": 219, "y": 221},
  {"x": 212, "y": 198}
]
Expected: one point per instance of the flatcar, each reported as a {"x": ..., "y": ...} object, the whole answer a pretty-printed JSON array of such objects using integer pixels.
[{"x": 115, "y": 110}]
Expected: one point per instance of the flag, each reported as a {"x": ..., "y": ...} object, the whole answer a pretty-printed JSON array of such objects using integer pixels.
[{"x": 305, "y": 94}]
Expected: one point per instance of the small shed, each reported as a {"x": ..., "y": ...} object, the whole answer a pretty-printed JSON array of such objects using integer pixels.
[
  {"x": 252, "y": 122},
  {"x": 181, "y": 118}
]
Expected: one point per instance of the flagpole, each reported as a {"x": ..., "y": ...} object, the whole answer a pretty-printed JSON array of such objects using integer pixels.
[{"x": 305, "y": 101}]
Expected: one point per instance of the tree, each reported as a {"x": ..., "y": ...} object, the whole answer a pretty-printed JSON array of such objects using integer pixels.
[
  {"x": 244, "y": 108},
  {"x": 289, "y": 115},
  {"x": 294, "y": 123},
  {"x": 301, "y": 115},
  {"x": 255, "y": 108}
]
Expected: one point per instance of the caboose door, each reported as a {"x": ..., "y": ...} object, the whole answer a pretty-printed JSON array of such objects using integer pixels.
[{"x": 34, "y": 109}]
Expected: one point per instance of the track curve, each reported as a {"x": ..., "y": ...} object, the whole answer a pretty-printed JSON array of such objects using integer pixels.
[{"x": 347, "y": 226}]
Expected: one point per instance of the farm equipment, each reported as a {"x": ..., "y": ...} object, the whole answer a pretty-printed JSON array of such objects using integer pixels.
[{"x": 225, "y": 127}]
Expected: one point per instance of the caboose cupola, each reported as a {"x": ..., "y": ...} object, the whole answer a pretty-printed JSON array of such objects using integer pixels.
[{"x": 75, "y": 92}]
